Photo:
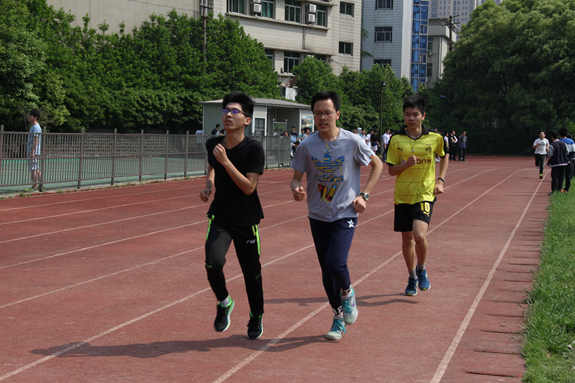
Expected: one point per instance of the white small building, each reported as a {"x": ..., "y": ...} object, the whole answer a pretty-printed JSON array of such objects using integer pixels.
[{"x": 269, "y": 115}]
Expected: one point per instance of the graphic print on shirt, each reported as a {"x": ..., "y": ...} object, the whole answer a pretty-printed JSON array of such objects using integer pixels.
[{"x": 330, "y": 175}]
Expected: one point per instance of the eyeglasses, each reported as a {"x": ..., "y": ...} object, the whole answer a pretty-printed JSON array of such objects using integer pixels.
[
  {"x": 325, "y": 114},
  {"x": 234, "y": 112}
]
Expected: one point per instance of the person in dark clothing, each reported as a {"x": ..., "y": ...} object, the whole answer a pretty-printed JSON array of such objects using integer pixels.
[
  {"x": 570, "y": 155},
  {"x": 235, "y": 165},
  {"x": 558, "y": 161}
]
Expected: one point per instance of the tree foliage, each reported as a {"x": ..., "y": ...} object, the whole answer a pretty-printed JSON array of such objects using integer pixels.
[
  {"x": 364, "y": 98},
  {"x": 513, "y": 69},
  {"x": 153, "y": 77}
]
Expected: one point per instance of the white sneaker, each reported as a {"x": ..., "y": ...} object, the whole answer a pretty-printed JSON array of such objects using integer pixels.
[{"x": 337, "y": 329}]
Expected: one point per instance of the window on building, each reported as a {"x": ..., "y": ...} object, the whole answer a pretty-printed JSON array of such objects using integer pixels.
[
  {"x": 268, "y": 9},
  {"x": 322, "y": 58},
  {"x": 270, "y": 55},
  {"x": 346, "y": 48},
  {"x": 384, "y": 4},
  {"x": 383, "y": 34},
  {"x": 321, "y": 15},
  {"x": 429, "y": 70},
  {"x": 430, "y": 44},
  {"x": 293, "y": 11},
  {"x": 383, "y": 62},
  {"x": 291, "y": 59},
  {"x": 345, "y": 8},
  {"x": 237, "y": 6}
]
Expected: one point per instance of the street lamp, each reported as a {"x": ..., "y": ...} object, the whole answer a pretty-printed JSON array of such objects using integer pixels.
[{"x": 381, "y": 110}]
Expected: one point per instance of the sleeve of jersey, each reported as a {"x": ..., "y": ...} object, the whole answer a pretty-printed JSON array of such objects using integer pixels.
[
  {"x": 363, "y": 153},
  {"x": 440, "y": 149},
  {"x": 257, "y": 158},
  {"x": 298, "y": 162},
  {"x": 392, "y": 152}
]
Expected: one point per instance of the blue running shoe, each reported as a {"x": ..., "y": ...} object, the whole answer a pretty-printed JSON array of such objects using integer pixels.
[
  {"x": 424, "y": 284},
  {"x": 222, "y": 321},
  {"x": 255, "y": 327},
  {"x": 411, "y": 288},
  {"x": 337, "y": 329},
  {"x": 349, "y": 307}
]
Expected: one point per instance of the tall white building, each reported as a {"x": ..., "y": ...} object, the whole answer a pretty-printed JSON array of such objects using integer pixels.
[
  {"x": 460, "y": 8},
  {"x": 290, "y": 30}
]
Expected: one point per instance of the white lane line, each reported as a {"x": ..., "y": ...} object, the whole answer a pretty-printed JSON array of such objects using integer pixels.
[
  {"x": 34, "y": 206},
  {"x": 254, "y": 355},
  {"x": 461, "y": 331}
]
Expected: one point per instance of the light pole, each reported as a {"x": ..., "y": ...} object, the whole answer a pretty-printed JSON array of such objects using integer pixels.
[{"x": 381, "y": 111}]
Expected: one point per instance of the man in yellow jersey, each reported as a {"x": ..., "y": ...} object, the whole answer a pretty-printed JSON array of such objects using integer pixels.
[{"x": 411, "y": 158}]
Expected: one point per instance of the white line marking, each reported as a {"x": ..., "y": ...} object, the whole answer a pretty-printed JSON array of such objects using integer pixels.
[{"x": 459, "y": 335}]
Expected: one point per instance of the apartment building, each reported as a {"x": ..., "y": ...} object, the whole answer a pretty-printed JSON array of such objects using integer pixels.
[
  {"x": 402, "y": 35},
  {"x": 290, "y": 30},
  {"x": 459, "y": 9}
]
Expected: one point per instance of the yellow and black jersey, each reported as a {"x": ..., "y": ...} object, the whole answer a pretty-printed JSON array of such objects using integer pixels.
[{"x": 417, "y": 183}]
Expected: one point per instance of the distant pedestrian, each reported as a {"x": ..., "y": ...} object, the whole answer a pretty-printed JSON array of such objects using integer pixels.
[
  {"x": 235, "y": 165},
  {"x": 34, "y": 149},
  {"x": 570, "y": 155},
  {"x": 216, "y": 130},
  {"x": 386, "y": 138},
  {"x": 453, "y": 146},
  {"x": 462, "y": 146},
  {"x": 541, "y": 146},
  {"x": 558, "y": 161},
  {"x": 293, "y": 135}
]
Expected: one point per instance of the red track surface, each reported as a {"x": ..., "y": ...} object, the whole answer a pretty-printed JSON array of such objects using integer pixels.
[{"x": 110, "y": 286}]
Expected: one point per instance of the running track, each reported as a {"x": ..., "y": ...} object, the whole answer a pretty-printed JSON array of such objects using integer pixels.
[{"x": 109, "y": 286}]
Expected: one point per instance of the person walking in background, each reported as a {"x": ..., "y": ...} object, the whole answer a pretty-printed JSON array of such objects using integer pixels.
[
  {"x": 235, "y": 165},
  {"x": 293, "y": 135},
  {"x": 453, "y": 146},
  {"x": 216, "y": 130},
  {"x": 331, "y": 160},
  {"x": 411, "y": 160},
  {"x": 541, "y": 146},
  {"x": 558, "y": 161},
  {"x": 386, "y": 138},
  {"x": 462, "y": 146},
  {"x": 570, "y": 156},
  {"x": 34, "y": 149}
]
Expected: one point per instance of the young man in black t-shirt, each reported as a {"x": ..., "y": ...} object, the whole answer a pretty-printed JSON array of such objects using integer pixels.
[{"x": 235, "y": 164}]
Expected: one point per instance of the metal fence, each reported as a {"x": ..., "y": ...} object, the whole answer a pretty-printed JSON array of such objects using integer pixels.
[{"x": 76, "y": 158}]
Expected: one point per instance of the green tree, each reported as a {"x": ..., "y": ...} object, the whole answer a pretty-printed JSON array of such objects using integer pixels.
[
  {"x": 22, "y": 58},
  {"x": 512, "y": 69},
  {"x": 312, "y": 76}
]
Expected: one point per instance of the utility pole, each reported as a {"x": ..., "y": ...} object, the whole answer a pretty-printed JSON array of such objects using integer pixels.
[
  {"x": 451, "y": 25},
  {"x": 204, "y": 13}
]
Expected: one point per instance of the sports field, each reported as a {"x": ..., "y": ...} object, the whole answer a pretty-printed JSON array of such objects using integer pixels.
[{"x": 109, "y": 286}]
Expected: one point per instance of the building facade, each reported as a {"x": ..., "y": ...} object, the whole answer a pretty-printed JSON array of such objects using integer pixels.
[
  {"x": 290, "y": 30},
  {"x": 459, "y": 9}
]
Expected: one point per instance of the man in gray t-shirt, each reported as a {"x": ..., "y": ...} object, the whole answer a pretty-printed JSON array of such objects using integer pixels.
[{"x": 331, "y": 159}]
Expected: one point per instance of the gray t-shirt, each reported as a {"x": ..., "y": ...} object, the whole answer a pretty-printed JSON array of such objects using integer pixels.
[{"x": 333, "y": 173}]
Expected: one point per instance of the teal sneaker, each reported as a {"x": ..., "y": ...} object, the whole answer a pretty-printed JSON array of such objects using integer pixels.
[
  {"x": 255, "y": 327},
  {"x": 423, "y": 283},
  {"x": 337, "y": 329},
  {"x": 222, "y": 321},
  {"x": 349, "y": 307},
  {"x": 411, "y": 288}
]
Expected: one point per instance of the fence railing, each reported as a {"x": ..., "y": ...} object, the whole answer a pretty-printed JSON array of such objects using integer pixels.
[{"x": 76, "y": 158}]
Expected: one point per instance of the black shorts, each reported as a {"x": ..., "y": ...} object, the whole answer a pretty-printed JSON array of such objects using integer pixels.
[{"x": 406, "y": 213}]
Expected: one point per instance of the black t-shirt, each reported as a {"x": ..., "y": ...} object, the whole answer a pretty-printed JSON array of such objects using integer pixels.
[
  {"x": 231, "y": 205},
  {"x": 214, "y": 131}
]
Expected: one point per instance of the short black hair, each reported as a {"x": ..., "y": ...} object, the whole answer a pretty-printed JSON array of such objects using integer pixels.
[
  {"x": 563, "y": 132},
  {"x": 243, "y": 99},
  {"x": 327, "y": 95},
  {"x": 217, "y": 125},
  {"x": 35, "y": 113},
  {"x": 414, "y": 101},
  {"x": 555, "y": 134}
]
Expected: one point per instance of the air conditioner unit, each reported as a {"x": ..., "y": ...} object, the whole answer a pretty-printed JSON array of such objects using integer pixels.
[
  {"x": 311, "y": 18},
  {"x": 311, "y": 8},
  {"x": 257, "y": 8},
  {"x": 429, "y": 53},
  {"x": 257, "y": 1}
]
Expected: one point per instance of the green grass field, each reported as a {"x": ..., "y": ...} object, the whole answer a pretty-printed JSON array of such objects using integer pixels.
[{"x": 549, "y": 347}]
